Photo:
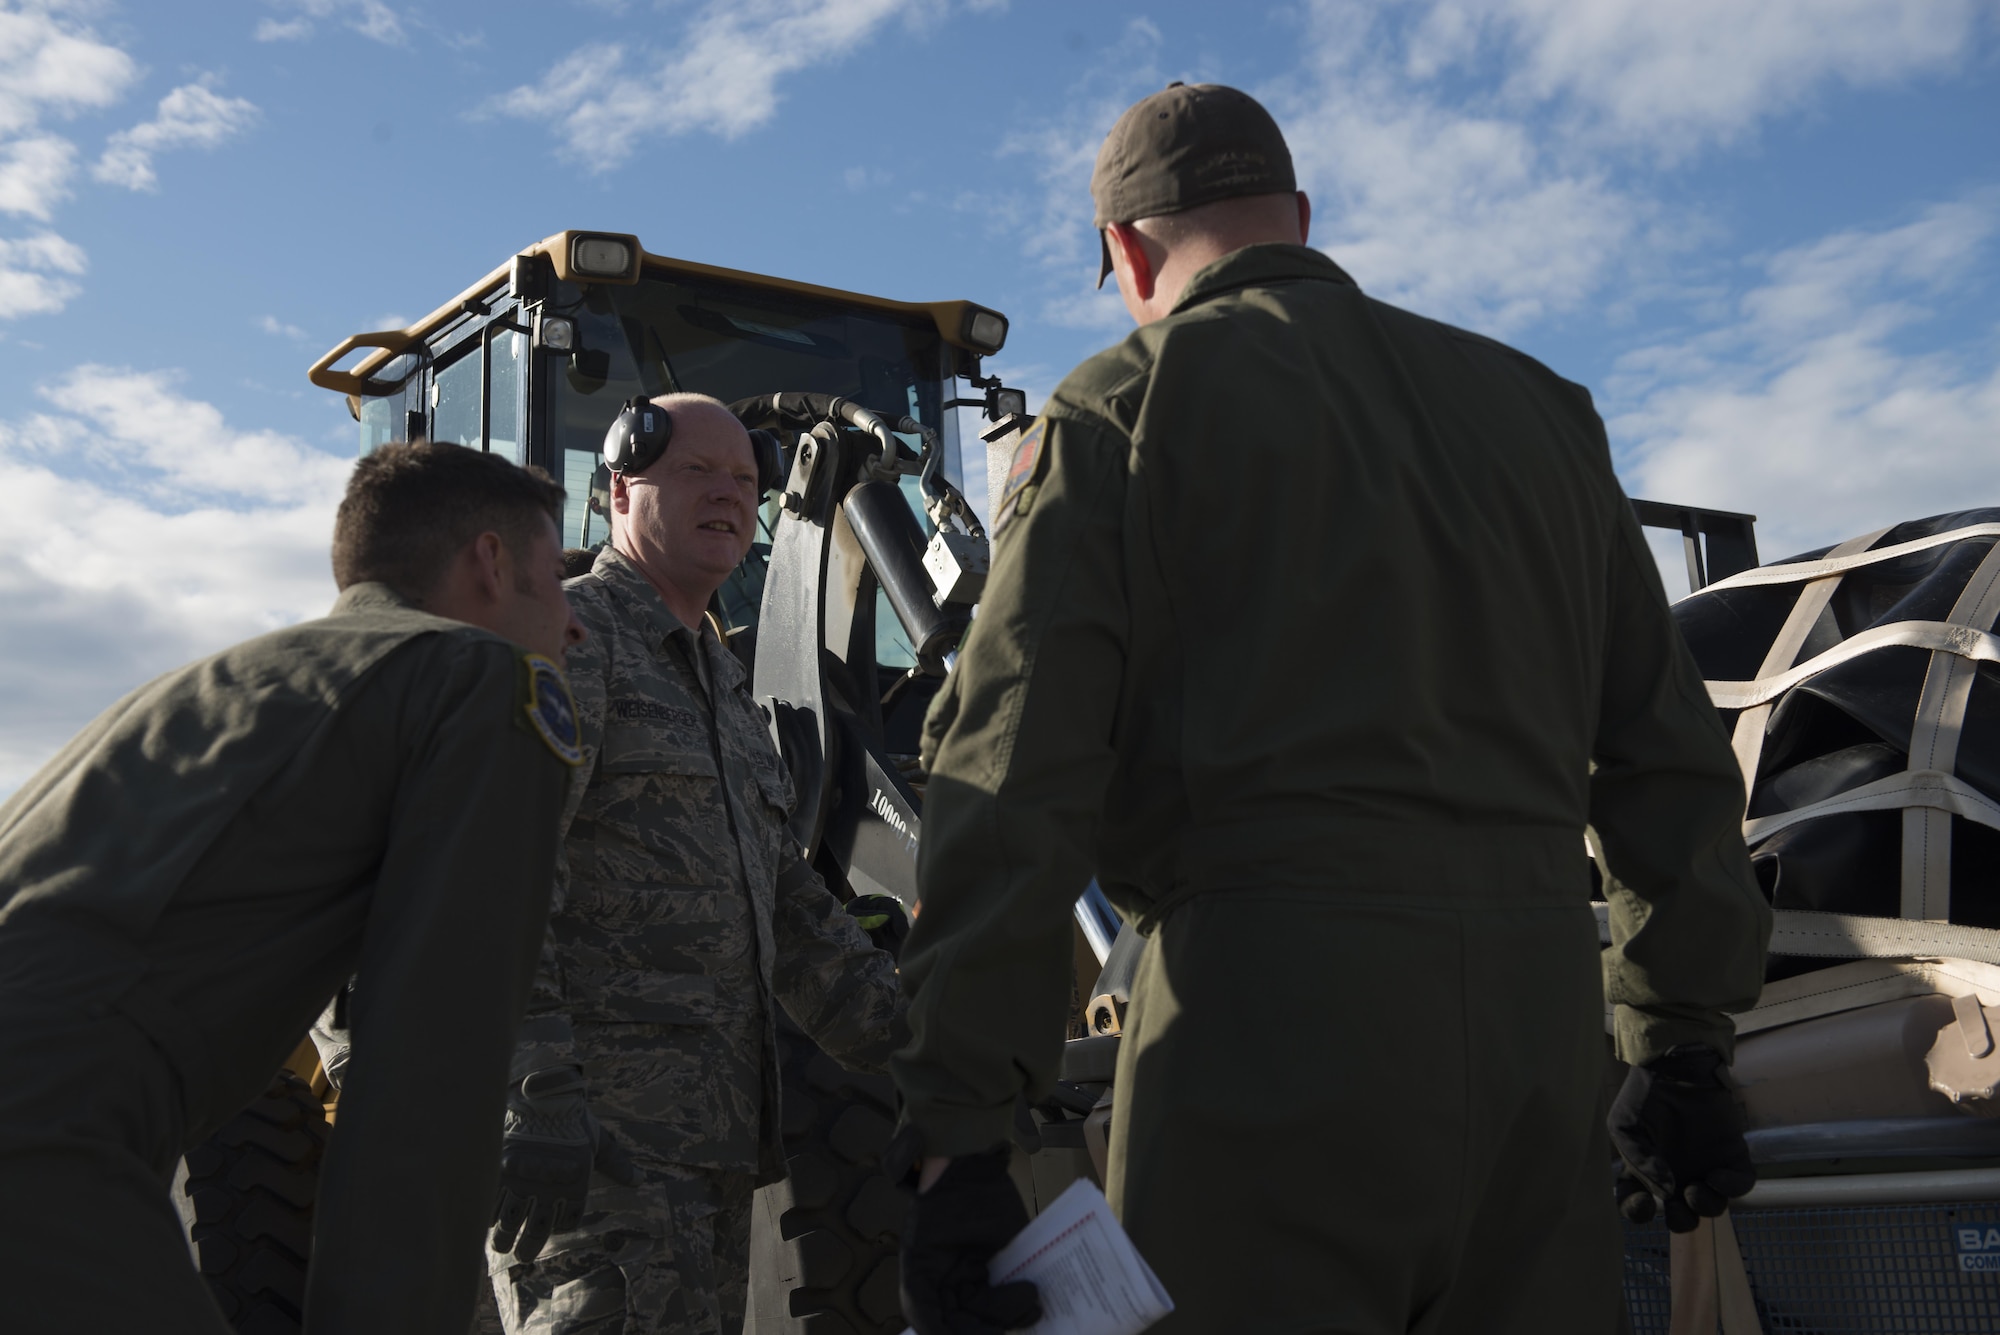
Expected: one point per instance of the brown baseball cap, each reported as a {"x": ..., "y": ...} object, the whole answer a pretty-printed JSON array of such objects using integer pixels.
[{"x": 1185, "y": 146}]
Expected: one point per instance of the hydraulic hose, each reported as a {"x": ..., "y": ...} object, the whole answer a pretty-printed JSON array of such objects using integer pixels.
[
  {"x": 894, "y": 545},
  {"x": 800, "y": 410}
]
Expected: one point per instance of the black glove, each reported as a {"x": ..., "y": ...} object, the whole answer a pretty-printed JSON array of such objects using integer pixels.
[
  {"x": 883, "y": 918},
  {"x": 547, "y": 1151},
  {"x": 1677, "y": 1126},
  {"x": 970, "y": 1212}
]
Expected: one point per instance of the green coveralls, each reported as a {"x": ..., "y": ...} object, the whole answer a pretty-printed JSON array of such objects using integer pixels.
[
  {"x": 1307, "y": 619},
  {"x": 181, "y": 890}
]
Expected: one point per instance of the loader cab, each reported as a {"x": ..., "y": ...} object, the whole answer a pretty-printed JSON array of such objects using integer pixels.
[
  {"x": 534, "y": 361},
  {"x": 858, "y": 622}
]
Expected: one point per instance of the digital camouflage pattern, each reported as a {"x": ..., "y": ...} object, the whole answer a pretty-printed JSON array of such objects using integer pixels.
[
  {"x": 682, "y": 910},
  {"x": 654, "y": 1265}
]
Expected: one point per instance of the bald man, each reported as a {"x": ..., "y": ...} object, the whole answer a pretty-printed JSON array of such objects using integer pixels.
[{"x": 681, "y": 910}]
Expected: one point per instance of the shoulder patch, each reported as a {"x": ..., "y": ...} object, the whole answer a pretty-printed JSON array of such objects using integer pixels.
[
  {"x": 1027, "y": 462},
  {"x": 1021, "y": 474},
  {"x": 550, "y": 710}
]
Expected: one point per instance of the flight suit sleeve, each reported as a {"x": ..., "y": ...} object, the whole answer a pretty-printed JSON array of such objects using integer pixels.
[
  {"x": 1019, "y": 748},
  {"x": 547, "y": 1037},
  {"x": 447, "y": 954},
  {"x": 1689, "y": 924},
  {"x": 830, "y": 977}
]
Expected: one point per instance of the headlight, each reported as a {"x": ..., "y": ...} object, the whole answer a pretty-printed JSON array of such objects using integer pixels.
[
  {"x": 600, "y": 257},
  {"x": 1007, "y": 401},
  {"x": 557, "y": 333},
  {"x": 986, "y": 331}
]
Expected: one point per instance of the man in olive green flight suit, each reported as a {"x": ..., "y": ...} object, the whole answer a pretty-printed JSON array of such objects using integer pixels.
[
  {"x": 189, "y": 880},
  {"x": 1319, "y": 632}
]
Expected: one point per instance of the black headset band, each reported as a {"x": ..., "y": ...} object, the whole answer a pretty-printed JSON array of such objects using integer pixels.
[
  {"x": 640, "y": 432},
  {"x": 637, "y": 436}
]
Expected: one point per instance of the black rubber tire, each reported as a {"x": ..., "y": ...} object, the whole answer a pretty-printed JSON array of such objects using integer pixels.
[
  {"x": 823, "y": 1242},
  {"x": 246, "y": 1200}
]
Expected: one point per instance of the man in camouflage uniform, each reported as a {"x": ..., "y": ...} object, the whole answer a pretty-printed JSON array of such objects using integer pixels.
[{"x": 682, "y": 911}]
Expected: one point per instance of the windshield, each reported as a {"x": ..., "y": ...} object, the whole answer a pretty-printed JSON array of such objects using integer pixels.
[
  {"x": 661, "y": 336},
  {"x": 665, "y": 335}
]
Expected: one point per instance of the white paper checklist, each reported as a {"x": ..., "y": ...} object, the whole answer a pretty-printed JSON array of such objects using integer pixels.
[{"x": 1092, "y": 1279}]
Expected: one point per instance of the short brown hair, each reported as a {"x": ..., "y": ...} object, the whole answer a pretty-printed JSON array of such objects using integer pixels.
[{"x": 410, "y": 509}]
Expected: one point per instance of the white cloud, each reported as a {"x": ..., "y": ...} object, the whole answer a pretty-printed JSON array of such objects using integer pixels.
[
  {"x": 1815, "y": 406},
  {"x": 722, "y": 77},
  {"x": 191, "y": 116},
  {"x": 47, "y": 64},
  {"x": 34, "y": 174},
  {"x": 1677, "y": 74},
  {"x": 1054, "y": 227},
  {"x": 371, "y": 18},
  {"x": 1101, "y": 309},
  {"x": 138, "y": 530},
  {"x": 1468, "y": 215},
  {"x": 174, "y": 450},
  {"x": 272, "y": 30},
  {"x": 272, "y": 325},
  {"x": 1465, "y": 215},
  {"x": 1473, "y": 159},
  {"x": 35, "y": 274},
  {"x": 50, "y": 64}
]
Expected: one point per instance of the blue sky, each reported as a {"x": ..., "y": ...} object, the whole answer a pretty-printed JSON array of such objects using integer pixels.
[{"x": 1766, "y": 235}]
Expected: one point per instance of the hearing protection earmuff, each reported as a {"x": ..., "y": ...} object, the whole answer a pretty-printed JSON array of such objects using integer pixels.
[
  {"x": 770, "y": 454},
  {"x": 638, "y": 436},
  {"x": 642, "y": 429}
]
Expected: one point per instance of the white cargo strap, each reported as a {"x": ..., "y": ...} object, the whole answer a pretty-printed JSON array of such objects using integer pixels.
[
  {"x": 1708, "y": 1286},
  {"x": 1851, "y": 936},
  {"x": 1748, "y": 740},
  {"x": 1734, "y": 1297},
  {"x": 1927, "y": 789},
  {"x": 1927, "y": 792},
  {"x": 1937, "y": 636},
  {"x": 1820, "y": 567},
  {"x": 1934, "y": 737}
]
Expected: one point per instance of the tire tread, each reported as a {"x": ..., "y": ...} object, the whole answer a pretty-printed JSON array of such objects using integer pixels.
[
  {"x": 246, "y": 1200},
  {"x": 837, "y": 1218}
]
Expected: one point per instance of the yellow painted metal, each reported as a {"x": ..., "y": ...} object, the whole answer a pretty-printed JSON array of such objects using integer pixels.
[
  {"x": 951, "y": 318},
  {"x": 355, "y": 383},
  {"x": 304, "y": 1063}
]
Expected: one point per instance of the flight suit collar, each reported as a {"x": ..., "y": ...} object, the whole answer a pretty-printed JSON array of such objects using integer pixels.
[
  {"x": 1254, "y": 265},
  {"x": 367, "y": 596},
  {"x": 629, "y": 584}
]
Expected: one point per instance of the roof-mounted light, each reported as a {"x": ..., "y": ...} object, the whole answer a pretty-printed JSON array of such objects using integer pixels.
[
  {"x": 595, "y": 257},
  {"x": 600, "y": 256},
  {"x": 985, "y": 331}
]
